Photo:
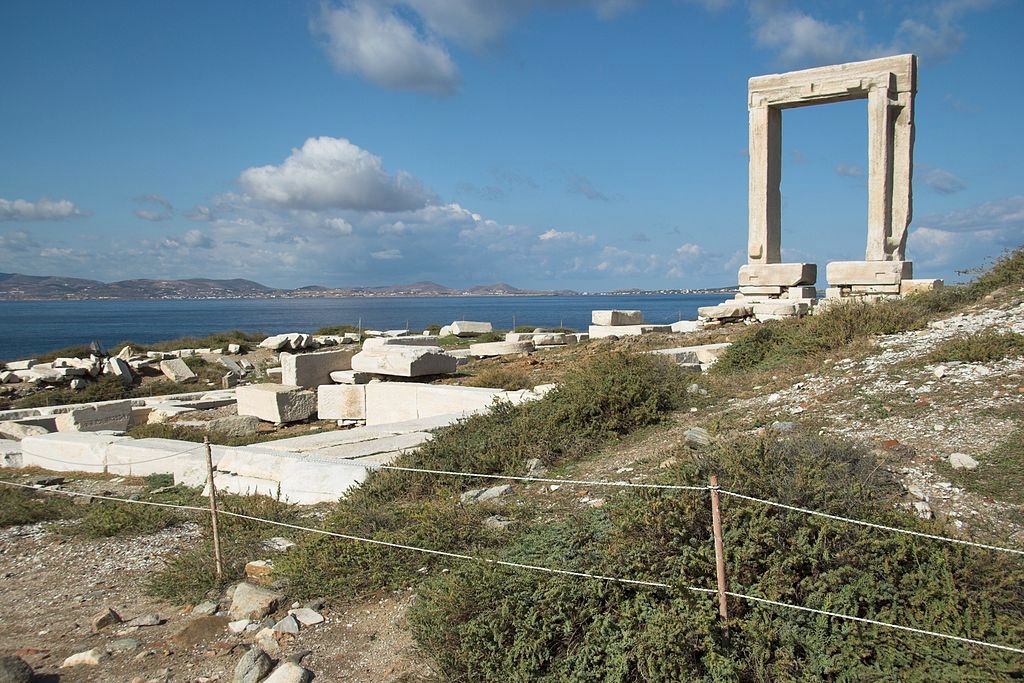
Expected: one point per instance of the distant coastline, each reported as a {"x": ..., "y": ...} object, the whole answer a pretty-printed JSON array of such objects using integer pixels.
[{"x": 18, "y": 287}]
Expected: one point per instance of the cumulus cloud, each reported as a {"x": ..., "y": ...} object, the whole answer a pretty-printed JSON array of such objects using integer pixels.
[
  {"x": 333, "y": 173},
  {"x": 374, "y": 41},
  {"x": 689, "y": 250},
  {"x": 41, "y": 210},
  {"x": 154, "y": 208},
  {"x": 337, "y": 226},
  {"x": 200, "y": 214},
  {"x": 197, "y": 239},
  {"x": 943, "y": 181},
  {"x": 798, "y": 37},
  {"x": 386, "y": 254},
  {"x": 939, "y": 239}
]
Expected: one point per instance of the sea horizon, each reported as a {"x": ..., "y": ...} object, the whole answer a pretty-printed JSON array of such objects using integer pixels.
[{"x": 37, "y": 327}]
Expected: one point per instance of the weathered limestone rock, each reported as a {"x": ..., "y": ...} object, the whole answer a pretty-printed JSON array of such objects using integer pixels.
[
  {"x": 232, "y": 367},
  {"x": 405, "y": 361},
  {"x": 616, "y": 317},
  {"x": 462, "y": 328},
  {"x": 504, "y": 348},
  {"x": 910, "y": 286},
  {"x": 8, "y": 377},
  {"x": 847, "y": 273},
  {"x": 70, "y": 451},
  {"x": 777, "y": 274},
  {"x": 235, "y": 425},
  {"x": 96, "y": 417},
  {"x": 341, "y": 402},
  {"x": 307, "y": 616},
  {"x": 18, "y": 431},
  {"x": 484, "y": 495},
  {"x": 728, "y": 310},
  {"x": 350, "y": 377},
  {"x": 277, "y": 403},
  {"x": 962, "y": 461},
  {"x": 253, "y": 602},
  {"x": 294, "y": 341},
  {"x": 10, "y": 454},
  {"x": 686, "y": 326},
  {"x": 176, "y": 370},
  {"x": 604, "y": 331},
  {"x": 704, "y": 355},
  {"x": 779, "y": 309},
  {"x": 121, "y": 369},
  {"x": 314, "y": 369},
  {"x": 20, "y": 364},
  {"x": 91, "y": 657},
  {"x": 260, "y": 572}
]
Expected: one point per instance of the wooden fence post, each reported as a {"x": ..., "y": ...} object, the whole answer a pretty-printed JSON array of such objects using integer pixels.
[
  {"x": 213, "y": 507},
  {"x": 716, "y": 525}
]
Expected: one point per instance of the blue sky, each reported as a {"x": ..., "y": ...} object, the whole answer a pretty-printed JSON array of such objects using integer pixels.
[{"x": 551, "y": 144}]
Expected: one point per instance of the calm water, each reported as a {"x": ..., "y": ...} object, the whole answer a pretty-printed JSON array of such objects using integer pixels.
[{"x": 32, "y": 327}]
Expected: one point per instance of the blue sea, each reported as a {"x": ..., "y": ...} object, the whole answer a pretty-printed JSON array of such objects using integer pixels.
[{"x": 29, "y": 328}]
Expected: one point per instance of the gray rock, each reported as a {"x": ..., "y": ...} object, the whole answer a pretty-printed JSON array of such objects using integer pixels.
[
  {"x": 252, "y": 667},
  {"x": 235, "y": 425},
  {"x": 535, "y": 468},
  {"x": 494, "y": 492},
  {"x": 14, "y": 670},
  {"x": 146, "y": 620},
  {"x": 307, "y": 616},
  {"x": 698, "y": 437},
  {"x": 107, "y": 617},
  {"x": 287, "y": 625},
  {"x": 962, "y": 461},
  {"x": 290, "y": 672},
  {"x": 206, "y": 608},
  {"x": 177, "y": 370},
  {"x": 253, "y": 602},
  {"x": 783, "y": 426},
  {"x": 923, "y": 509},
  {"x": 496, "y": 522},
  {"x": 88, "y": 658},
  {"x": 278, "y": 544},
  {"x": 124, "y": 645}
]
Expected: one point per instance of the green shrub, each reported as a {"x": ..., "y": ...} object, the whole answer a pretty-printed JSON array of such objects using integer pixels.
[
  {"x": 1007, "y": 271},
  {"x": 105, "y": 388},
  {"x": 985, "y": 346},
  {"x": 485, "y": 623},
  {"x": 103, "y": 519},
  {"x": 191, "y": 573},
  {"x": 501, "y": 377},
  {"x": 338, "y": 330},
  {"x": 20, "y": 506},
  {"x": 609, "y": 395}
]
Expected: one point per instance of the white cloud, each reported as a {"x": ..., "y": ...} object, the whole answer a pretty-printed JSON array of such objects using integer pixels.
[
  {"x": 333, "y": 173},
  {"x": 42, "y": 210},
  {"x": 387, "y": 254},
  {"x": 197, "y": 238},
  {"x": 374, "y": 41},
  {"x": 799, "y": 38},
  {"x": 689, "y": 250},
  {"x": 967, "y": 236},
  {"x": 153, "y": 208},
  {"x": 565, "y": 236},
  {"x": 338, "y": 226},
  {"x": 200, "y": 214},
  {"x": 17, "y": 241},
  {"x": 943, "y": 181}
]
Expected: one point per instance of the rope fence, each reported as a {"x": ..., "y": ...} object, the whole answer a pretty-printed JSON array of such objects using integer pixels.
[{"x": 713, "y": 489}]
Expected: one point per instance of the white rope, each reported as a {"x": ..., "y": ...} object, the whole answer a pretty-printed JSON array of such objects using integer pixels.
[
  {"x": 883, "y": 527},
  {"x": 579, "y": 482},
  {"x": 874, "y": 622},
  {"x": 537, "y": 568}
]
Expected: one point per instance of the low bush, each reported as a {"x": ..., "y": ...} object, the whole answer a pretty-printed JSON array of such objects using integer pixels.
[
  {"x": 481, "y": 622},
  {"x": 501, "y": 377},
  {"x": 608, "y": 396},
  {"x": 103, "y": 519},
  {"x": 105, "y": 388},
  {"x": 190, "y": 574},
  {"x": 20, "y": 506},
  {"x": 986, "y": 346}
]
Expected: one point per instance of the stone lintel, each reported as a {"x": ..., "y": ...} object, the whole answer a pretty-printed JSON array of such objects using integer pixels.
[
  {"x": 761, "y": 290},
  {"x": 777, "y": 274},
  {"x": 835, "y": 83},
  {"x": 847, "y": 273}
]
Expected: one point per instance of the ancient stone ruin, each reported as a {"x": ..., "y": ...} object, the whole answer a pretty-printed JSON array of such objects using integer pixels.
[{"x": 770, "y": 288}]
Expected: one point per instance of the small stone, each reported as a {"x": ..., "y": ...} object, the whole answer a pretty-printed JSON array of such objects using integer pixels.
[
  {"x": 497, "y": 522},
  {"x": 494, "y": 492},
  {"x": 924, "y": 511},
  {"x": 88, "y": 658},
  {"x": 253, "y": 602},
  {"x": 290, "y": 672},
  {"x": 206, "y": 608},
  {"x": 239, "y": 625},
  {"x": 260, "y": 572},
  {"x": 698, "y": 437},
  {"x": 278, "y": 544},
  {"x": 124, "y": 645},
  {"x": 784, "y": 426},
  {"x": 307, "y": 616},
  {"x": 252, "y": 667},
  {"x": 939, "y": 372},
  {"x": 962, "y": 461},
  {"x": 107, "y": 617},
  {"x": 287, "y": 625},
  {"x": 146, "y": 620}
]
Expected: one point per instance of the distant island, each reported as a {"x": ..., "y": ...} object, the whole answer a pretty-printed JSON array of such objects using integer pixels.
[{"x": 17, "y": 287}]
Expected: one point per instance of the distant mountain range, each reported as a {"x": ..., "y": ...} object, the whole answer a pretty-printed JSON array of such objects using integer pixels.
[{"x": 14, "y": 286}]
